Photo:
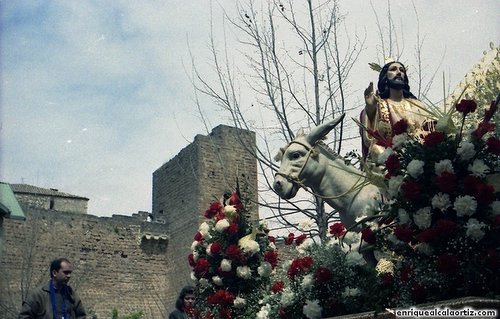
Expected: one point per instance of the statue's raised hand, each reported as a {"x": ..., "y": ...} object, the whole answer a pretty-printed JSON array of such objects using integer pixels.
[{"x": 370, "y": 95}]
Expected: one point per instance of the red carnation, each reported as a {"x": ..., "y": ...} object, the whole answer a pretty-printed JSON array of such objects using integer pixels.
[
  {"x": 427, "y": 235},
  {"x": 198, "y": 236},
  {"x": 233, "y": 252},
  {"x": 485, "y": 194},
  {"x": 278, "y": 286},
  {"x": 191, "y": 261},
  {"x": 387, "y": 279},
  {"x": 447, "y": 264},
  {"x": 446, "y": 182},
  {"x": 483, "y": 128},
  {"x": 201, "y": 267},
  {"x": 221, "y": 297},
  {"x": 215, "y": 248},
  {"x": 405, "y": 273},
  {"x": 493, "y": 144},
  {"x": 289, "y": 239},
  {"x": 471, "y": 183},
  {"x": 323, "y": 275},
  {"x": 271, "y": 257},
  {"x": 337, "y": 229},
  {"x": 433, "y": 138},
  {"x": 445, "y": 228},
  {"x": 215, "y": 207},
  {"x": 411, "y": 190},
  {"x": 299, "y": 240},
  {"x": 466, "y": 106},
  {"x": 400, "y": 127},
  {"x": 271, "y": 239},
  {"x": 299, "y": 265},
  {"x": 232, "y": 229},
  {"x": 392, "y": 164},
  {"x": 226, "y": 313},
  {"x": 368, "y": 235},
  {"x": 403, "y": 233}
]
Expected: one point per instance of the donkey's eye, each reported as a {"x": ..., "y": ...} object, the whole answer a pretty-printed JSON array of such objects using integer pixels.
[{"x": 295, "y": 155}]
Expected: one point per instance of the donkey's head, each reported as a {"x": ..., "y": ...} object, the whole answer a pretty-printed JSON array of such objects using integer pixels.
[{"x": 299, "y": 160}]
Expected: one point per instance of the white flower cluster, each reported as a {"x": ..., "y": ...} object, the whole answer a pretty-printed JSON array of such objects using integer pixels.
[{"x": 312, "y": 309}]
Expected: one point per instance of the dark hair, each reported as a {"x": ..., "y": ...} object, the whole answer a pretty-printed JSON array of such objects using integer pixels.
[
  {"x": 179, "y": 303},
  {"x": 383, "y": 86},
  {"x": 56, "y": 264}
]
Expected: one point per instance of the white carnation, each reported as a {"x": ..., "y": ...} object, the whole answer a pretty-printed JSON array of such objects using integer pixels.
[
  {"x": 443, "y": 166},
  {"x": 475, "y": 229},
  {"x": 465, "y": 205},
  {"x": 384, "y": 155},
  {"x": 394, "y": 185},
  {"x": 415, "y": 168},
  {"x": 204, "y": 230},
  {"x": 354, "y": 258},
  {"x": 229, "y": 210},
  {"x": 495, "y": 208},
  {"x": 441, "y": 201},
  {"x": 221, "y": 225},
  {"x": 399, "y": 140},
  {"x": 425, "y": 249},
  {"x": 263, "y": 312},
  {"x": 203, "y": 282},
  {"x": 244, "y": 272},
  {"x": 305, "y": 225},
  {"x": 194, "y": 245},
  {"x": 351, "y": 238},
  {"x": 225, "y": 265},
  {"x": 478, "y": 168},
  {"x": 303, "y": 248},
  {"x": 287, "y": 297},
  {"x": 249, "y": 246},
  {"x": 351, "y": 292},
  {"x": 217, "y": 280},
  {"x": 466, "y": 151},
  {"x": 239, "y": 302},
  {"x": 403, "y": 216},
  {"x": 422, "y": 218},
  {"x": 265, "y": 269},
  {"x": 308, "y": 281},
  {"x": 312, "y": 309}
]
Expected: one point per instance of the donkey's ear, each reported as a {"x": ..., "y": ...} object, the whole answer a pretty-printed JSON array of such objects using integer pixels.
[
  {"x": 300, "y": 132},
  {"x": 320, "y": 131}
]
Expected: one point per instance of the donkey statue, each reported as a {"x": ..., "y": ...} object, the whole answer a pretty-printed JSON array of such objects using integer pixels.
[{"x": 308, "y": 162}]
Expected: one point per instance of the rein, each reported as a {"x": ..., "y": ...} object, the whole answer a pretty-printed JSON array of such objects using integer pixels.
[{"x": 297, "y": 180}]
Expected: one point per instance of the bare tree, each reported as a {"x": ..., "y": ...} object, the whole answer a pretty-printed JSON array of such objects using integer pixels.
[{"x": 298, "y": 57}]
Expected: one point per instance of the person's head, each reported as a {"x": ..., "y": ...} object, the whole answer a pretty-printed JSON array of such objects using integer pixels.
[
  {"x": 393, "y": 76},
  {"x": 186, "y": 298},
  {"x": 60, "y": 271}
]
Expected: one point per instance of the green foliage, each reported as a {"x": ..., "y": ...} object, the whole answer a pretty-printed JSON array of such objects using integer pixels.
[{"x": 133, "y": 315}]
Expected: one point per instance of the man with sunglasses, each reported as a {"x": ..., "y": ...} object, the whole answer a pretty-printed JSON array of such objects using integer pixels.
[{"x": 55, "y": 299}]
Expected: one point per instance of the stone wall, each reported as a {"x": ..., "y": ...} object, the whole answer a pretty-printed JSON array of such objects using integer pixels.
[
  {"x": 57, "y": 203},
  {"x": 119, "y": 262},
  {"x": 185, "y": 186}
]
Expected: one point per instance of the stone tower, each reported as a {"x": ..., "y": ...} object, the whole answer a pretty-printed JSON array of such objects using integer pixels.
[{"x": 185, "y": 186}]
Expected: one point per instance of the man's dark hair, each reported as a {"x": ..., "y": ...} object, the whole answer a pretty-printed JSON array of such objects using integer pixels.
[
  {"x": 383, "y": 85},
  {"x": 179, "y": 303},
  {"x": 56, "y": 264}
]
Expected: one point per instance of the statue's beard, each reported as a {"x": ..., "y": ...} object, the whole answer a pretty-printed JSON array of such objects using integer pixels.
[{"x": 396, "y": 83}]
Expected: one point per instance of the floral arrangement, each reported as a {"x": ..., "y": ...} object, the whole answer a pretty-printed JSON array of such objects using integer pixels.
[
  {"x": 231, "y": 259},
  {"x": 323, "y": 280},
  {"x": 440, "y": 230}
]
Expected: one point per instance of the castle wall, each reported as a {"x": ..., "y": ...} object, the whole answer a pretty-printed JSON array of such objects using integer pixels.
[
  {"x": 184, "y": 187},
  {"x": 119, "y": 262}
]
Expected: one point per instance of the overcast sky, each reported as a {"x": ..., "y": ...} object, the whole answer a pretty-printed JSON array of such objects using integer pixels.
[{"x": 95, "y": 96}]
